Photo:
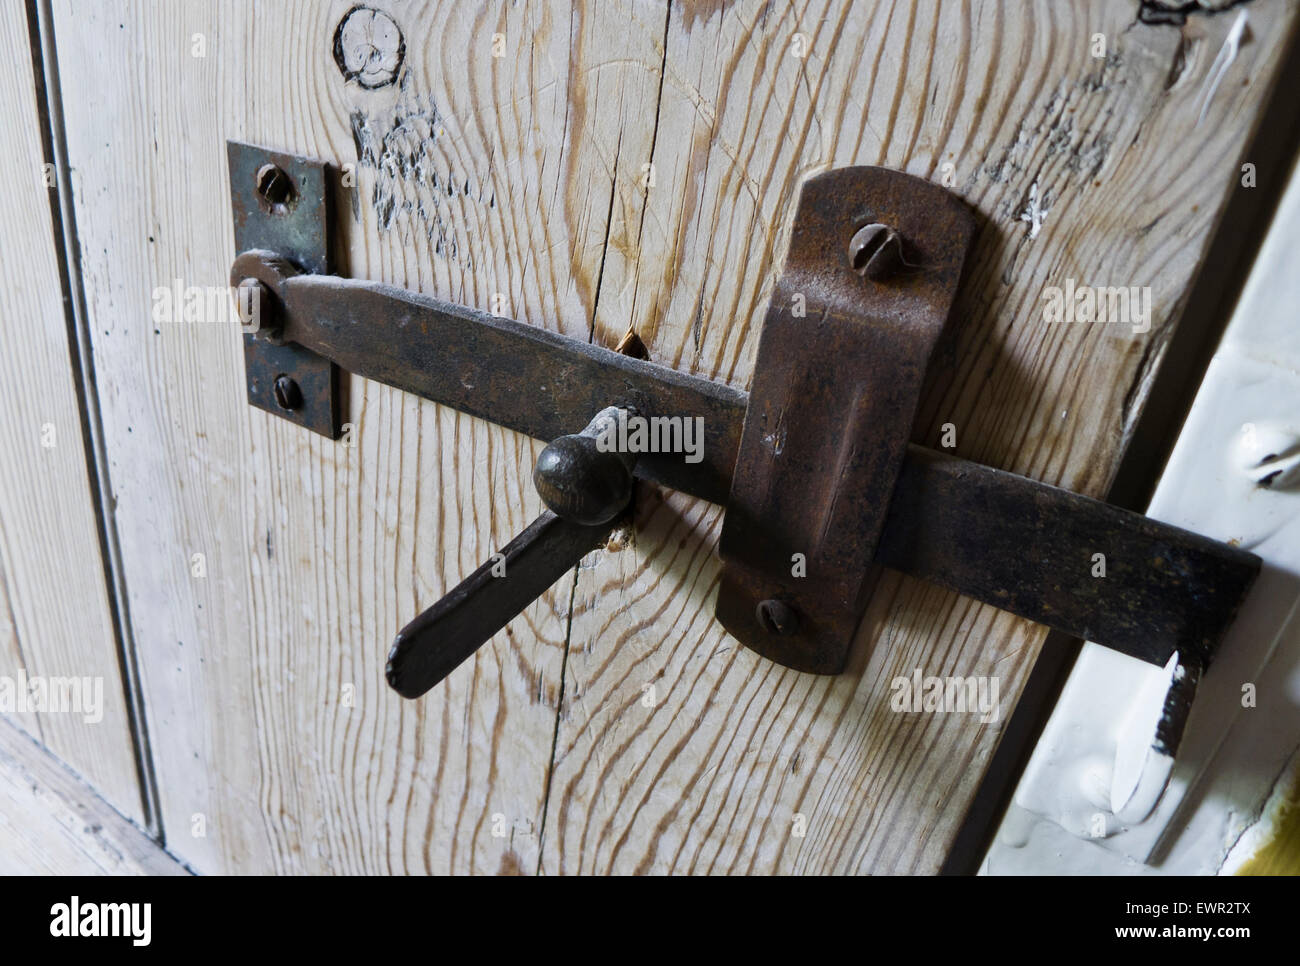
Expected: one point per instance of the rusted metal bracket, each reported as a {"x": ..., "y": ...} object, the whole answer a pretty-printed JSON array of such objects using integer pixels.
[
  {"x": 280, "y": 204},
  {"x": 872, "y": 271},
  {"x": 814, "y": 462}
]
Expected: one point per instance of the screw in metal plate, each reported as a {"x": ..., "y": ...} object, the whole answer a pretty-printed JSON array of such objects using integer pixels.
[
  {"x": 276, "y": 188},
  {"x": 876, "y": 252},
  {"x": 777, "y": 617},
  {"x": 287, "y": 393}
]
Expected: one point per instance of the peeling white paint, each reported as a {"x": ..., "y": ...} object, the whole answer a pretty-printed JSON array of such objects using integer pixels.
[
  {"x": 1034, "y": 213},
  {"x": 1085, "y": 803}
]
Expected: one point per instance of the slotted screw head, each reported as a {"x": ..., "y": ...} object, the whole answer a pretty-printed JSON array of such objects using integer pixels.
[
  {"x": 276, "y": 188},
  {"x": 876, "y": 252},
  {"x": 287, "y": 393},
  {"x": 777, "y": 617}
]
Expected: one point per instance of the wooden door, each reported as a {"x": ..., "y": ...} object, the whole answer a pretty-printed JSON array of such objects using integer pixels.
[
  {"x": 590, "y": 169},
  {"x": 59, "y": 630}
]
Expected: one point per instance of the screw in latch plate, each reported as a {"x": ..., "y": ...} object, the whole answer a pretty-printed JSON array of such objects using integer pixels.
[
  {"x": 876, "y": 252},
  {"x": 287, "y": 393},
  {"x": 777, "y": 617},
  {"x": 275, "y": 188}
]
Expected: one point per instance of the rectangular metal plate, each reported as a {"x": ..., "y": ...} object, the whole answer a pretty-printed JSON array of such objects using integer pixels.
[
  {"x": 290, "y": 216},
  {"x": 839, "y": 371}
]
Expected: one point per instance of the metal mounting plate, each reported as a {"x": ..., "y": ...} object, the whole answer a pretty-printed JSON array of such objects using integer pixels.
[
  {"x": 840, "y": 365},
  {"x": 296, "y": 226}
]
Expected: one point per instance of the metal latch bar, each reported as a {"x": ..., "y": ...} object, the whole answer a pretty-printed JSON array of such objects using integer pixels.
[{"x": 1002, "y": 539}]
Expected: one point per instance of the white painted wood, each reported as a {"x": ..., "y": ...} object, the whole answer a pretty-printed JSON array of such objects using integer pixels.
[
  {"x": 277, "y": 738},
  {"x": 1244, "y": 427},
  {"x": 55, "y": 621},
  {"x": 53, "y": 823}
]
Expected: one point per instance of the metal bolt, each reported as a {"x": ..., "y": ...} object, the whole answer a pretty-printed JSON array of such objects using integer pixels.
[
  {"x": 876, "y": 252},
  {"x": 259, "y": 310},
  {"x": 287, "y": 393},
  {"x": 777, "y": 617}
]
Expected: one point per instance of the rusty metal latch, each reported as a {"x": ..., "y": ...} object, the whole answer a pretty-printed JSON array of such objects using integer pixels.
[
  {"x": 875, "y": 258},
  {"x": 814, "y": 465}
]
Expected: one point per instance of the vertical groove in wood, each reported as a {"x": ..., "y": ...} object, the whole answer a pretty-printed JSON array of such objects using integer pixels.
[
  {"x": 45, "y": 69},
  {"x": 508, "y": 174},
  {"x": 317, "y": 552},
  {"x": 58, "y": 619}
]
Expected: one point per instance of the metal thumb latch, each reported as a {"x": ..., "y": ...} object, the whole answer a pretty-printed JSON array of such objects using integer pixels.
[
  {"x": 586, "y": 490},
  {"x": 813, "y": 465}
]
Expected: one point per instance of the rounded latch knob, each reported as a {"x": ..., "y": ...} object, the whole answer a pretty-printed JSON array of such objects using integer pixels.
[{"x": 582, "y": 478}]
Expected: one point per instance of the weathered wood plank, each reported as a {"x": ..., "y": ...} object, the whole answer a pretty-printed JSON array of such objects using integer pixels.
[
  {"x": 53, "y": 823},
  {"x": 741, "y": 766},
  {"x": 506, "y": 168},
  {"x": 55, "y": 621},
  {"x": 478, "y": 175}
]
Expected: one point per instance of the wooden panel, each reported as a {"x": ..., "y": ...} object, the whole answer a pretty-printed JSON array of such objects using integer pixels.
[
  {"x": 510, "y": 158},
  {"x": 55, "y": 621},
  {"x": 742, "y": 766},
  {"x": 480, "y": 175},
  {"x": 52, "y": 823}
]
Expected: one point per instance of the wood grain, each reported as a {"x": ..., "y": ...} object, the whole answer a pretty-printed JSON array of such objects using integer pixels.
[
  {"x": 737, "y": 757},
  {"x": 53, "y": 823},
  {"x": 55, "y": 620},
  {"x": 315, "y": 553},
  {"x": 508, "y": 167}
]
